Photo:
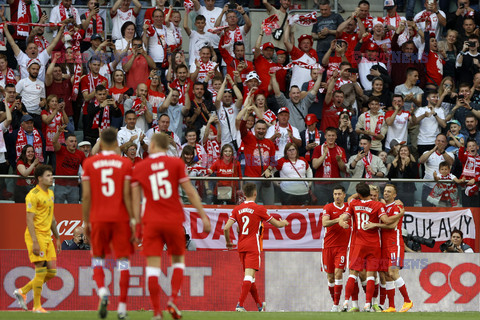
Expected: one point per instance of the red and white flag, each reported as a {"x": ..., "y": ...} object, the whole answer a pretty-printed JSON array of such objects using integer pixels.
[
  {"x": 217, "y": 30},
  {"x": 188, "y": 4},
  {"x": 306, "y": 20},
  {"x": 270, "y": 24}
]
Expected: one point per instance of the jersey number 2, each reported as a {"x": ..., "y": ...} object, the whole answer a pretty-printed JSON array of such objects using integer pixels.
[
  {"x": 161, "y": 188},
  {"x": 108, "y": 185},
  {"x": 245, "y": 220}
]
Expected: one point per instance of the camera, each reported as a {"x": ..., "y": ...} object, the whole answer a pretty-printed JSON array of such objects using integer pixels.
[
  {"x": 415, "y": 242},
  {"x": 60, "y": 100},
  {"x": 448, "y": 245},
  {"x": 96, "y": 5},
  {"x": 18, "y": 97},
  {"x": 82, "y": 237},
  {"x": 232, "y": 5},
  {"x": 461, "y": 96},
  {"x": 462, "y": 5}
]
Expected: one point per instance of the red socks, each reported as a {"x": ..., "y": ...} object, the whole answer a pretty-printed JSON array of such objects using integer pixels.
[
  {"x": 153, "y": 274},
  {"x": 400, "y": 284},
  {"x": 99, "y": 276},
  {"x": 337, "y": 292},
  {"x": 177, "y": 279},
  {"x": 350, "y": 287},
  {"x": 370, "y": 289},
  {"x": 124, "y": 282},
  {"x": 247, "y": 284},
  {"x": 254, "y": 293},
  {"x": 383, "y": 294},
  {"x": 331, "y": 289},
  {"x": 390, "y": 288}
]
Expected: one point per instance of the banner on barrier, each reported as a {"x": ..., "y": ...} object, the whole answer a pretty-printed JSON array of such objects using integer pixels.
[
  {"x": 305, "y": 231},
  {"x": 435, "y": 282},
  {"x": 212, "y": 282}
]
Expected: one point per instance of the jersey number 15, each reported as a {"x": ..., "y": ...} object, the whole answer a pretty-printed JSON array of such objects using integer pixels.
[{"x": 161, "y": 188}]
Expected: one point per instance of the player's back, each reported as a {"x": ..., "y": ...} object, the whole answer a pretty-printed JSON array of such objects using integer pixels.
[
  {"x": 392, "y": 237},
  {"x": 249, "y": 217},
  {"x": 160, "y": 177},
  {"x": 366, "y": 211},
  {"x": 41, "y": 203},
  {"x": 107, "y": 173},
  {"x": 335, "y": 235}
]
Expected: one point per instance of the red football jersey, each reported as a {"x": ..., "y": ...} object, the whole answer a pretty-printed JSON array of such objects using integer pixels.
[
  {"x": 107, "y": 173},
  {"x": 364, "y": 211},
  {"x": 392, "y": 237},
  {"x": 160, "y": 177},
  {"x": 335, "y": 236},
  {"x": 249, "y": 217}
]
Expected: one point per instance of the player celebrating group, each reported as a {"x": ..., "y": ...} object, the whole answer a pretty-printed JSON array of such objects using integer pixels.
[
  {"x": 159, "y": 177},
  {"x": 41, "y": 251},
  {"x": 365, "y": 252},
  {"x": 393, "y": 248},
  {"x": 250, "y": 217},
  {"x": 335, "y": 244},
  {"x": 108, "y": 215}
]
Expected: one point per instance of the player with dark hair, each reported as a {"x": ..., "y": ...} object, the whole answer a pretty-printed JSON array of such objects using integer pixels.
[
  {"x": 41, "y": 251},
  {"x": 250, "y": 217},
  {"x": 393, "y": 248},
  {"x": 365, "y": 252},
  {"x": 108, "y": 215},
  {"x": 159, "y": 178},
  {"x": 335, "y": 244}
]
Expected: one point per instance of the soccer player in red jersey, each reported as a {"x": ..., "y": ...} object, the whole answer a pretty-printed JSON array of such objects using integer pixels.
[
  {"x": 365, "y": 251},
  {"x": 250, "y": 217},
  {"x": 108, "y": 215},
  {"x": 393, "y": 248},
  {"x": 159, "y": 177},
  {"x": 335, "y": 244}
]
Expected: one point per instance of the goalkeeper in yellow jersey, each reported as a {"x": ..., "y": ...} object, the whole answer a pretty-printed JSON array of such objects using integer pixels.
[{"x": 41, "y": 250}]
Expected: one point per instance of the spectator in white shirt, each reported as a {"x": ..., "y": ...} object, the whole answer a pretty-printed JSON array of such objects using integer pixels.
[
  {"x": 121, "y": 13},
  {"x": 32, "y": 91},
  {"x": 65, "y": 14},
  {"x": 283, "y": 133},
  {"x": 431, "y": 19},
  {"x": 130, "y": 133}
]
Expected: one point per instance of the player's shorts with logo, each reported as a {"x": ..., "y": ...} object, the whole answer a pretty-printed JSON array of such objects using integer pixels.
[
  {"x": 47, "y": 248},
  {"x": 363, "y": 257},
  {"x": 334, "y": 258},
  {"x": 155, "y": 236},
  {"x": 392, "y": 256},
  {"x": 107, "y": 235}
]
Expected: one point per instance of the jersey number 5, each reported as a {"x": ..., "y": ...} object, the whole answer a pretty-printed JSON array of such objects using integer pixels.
[
  {"x": 108, "y": 185},
  {"x": 161, "y": 188}
]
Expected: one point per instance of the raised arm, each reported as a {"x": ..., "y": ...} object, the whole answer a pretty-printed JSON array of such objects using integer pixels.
[
  {"x": 286, "y": 39},
  {"x": 138, "y": 6},
  {"x": 55, "y": 40},
  {"x": 187, "y": 29},
  {"x": 15, "y": 47},
  {"x": 113, "y": 10},
  {"x": 220, "y": 17},
  {"x": 248, "y": 22}
]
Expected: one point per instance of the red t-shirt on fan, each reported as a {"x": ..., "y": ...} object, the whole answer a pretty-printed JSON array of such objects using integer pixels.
[
  {"x": 330, "y": 163},
  {"x": 249, "y": 217},
  {"x": 68, "y": 164},
  {"x": 335, "y": 236},
  {"x": 107, "y": 173},
  {"x": 88, "y": 84},
  {"x": 226, "y": 170},
  {"x": 329, "y": 116},
  {"x": 392, "y": 237},
  {"x": 252, "y": 146},
  {"x": 364, "y": 211},
  {"x": 160, "y": 177}
]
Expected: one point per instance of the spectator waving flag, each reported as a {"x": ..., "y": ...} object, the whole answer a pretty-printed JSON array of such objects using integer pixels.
[
  {"x": 306, "y": 20},
  {"x": 269, "y": 24},
  {"x": 188, "y": 4},
  {"x": 217, "y": 30}
]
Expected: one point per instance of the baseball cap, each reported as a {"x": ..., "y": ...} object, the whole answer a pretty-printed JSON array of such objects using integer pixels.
[
  {"x": 281, "y": 52},
  {"x": 26, "y": 117},
  {"x": 454, "y": 121},
  {"x": 395, "y": 142},
  {"x": 33, "y": 61},
  {"x": 250, "y": 76},
  {"x": 311, "y": 118},
  {"x": 95, "y": 36},
  {"x": 84, "y": 143},
  {"x": 268, "y": 45},
  {"x": 389, "y": 4},
  {"x": 283, "y": 109},
  {"x": 305, "y": 36}
]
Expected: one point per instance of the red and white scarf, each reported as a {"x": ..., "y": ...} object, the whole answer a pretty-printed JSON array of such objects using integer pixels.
[
  {"x": 398, "y": 20},
  {"x": 367, "y": 161},
  {"x": 237, "y": 36},
  {"x": 137, "y": 107},
  {"x": 63, "y": 12},
  {"x": 426, "y": 17},
  {"x": 76, "y": 80},
  {"x": 51, "y": 129},
  {"x": 181, "y": 88},
  {"x": 367, "y": 22},
  {"x": 204, "y": 68},
  {"x": 444, "y": 192},
  {"x": 471, "y": 169},
  {"x": 99, "y": 26},
  {"x": 328, "y": 162},
  {"x": 378, "y": 127},
  {"x": 9, "y": 78},
  {"x": 308, "y": 156},
  {"x": 339, "y": 83},
  {"x": 217, "y": 30},
  {"x": 270, "y": 24},
  {"x": 277, "y": 129},
  {"x": 311, "y": 83},
  {"x": 105, "y": 118},
  {"x": 41, "y": 43},
  {"x": 212, "y": 147},
  {"x": 22, "y": 142},
  {"x": 23, "y": 27}
]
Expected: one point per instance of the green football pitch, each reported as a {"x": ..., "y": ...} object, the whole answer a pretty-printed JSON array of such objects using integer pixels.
[{"x": 199, "y": 315}]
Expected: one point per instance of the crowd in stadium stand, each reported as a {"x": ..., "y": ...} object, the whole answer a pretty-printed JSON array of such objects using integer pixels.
[{"x": 396, "y": 96}]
